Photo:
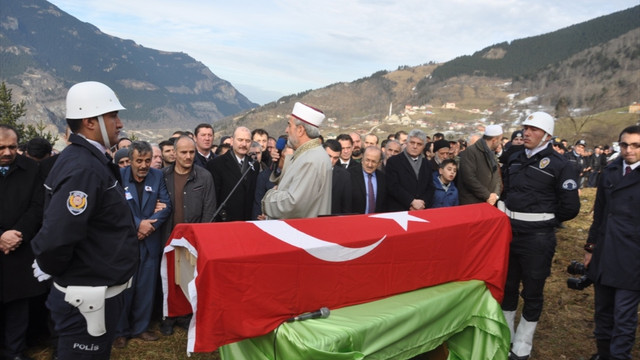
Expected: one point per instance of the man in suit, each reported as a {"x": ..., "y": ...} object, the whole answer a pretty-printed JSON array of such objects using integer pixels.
[
  {"x": 369, "y": 191},
  {"x": 614, "y": 241},
  {"x": 346, "y": 159},
  {"x": 409, "y": 176},
  {"x": 22, "y": 196},
  {"x": 204, "y": 135},
  {"x": 144, "y": 187},
  {"x": 341, "y": 182},
  {"x": 227, "y": 170}
]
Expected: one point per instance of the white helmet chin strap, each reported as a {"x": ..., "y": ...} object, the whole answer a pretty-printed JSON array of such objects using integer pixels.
[
  {"x": 103, "y": 130},
  {"x": 542, "y": 141}
]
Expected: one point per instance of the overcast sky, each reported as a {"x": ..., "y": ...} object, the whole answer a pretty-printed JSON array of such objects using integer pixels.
[{"x": 269, "y": 48}]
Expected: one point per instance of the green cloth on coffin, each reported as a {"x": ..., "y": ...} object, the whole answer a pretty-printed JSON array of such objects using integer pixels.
[{"x": 464, "y": 314}]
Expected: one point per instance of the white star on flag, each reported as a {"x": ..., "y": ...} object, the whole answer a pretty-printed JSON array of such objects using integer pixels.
[{"x": 401, "y": 217}]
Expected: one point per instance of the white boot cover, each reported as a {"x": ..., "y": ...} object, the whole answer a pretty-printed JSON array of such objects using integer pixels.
[
  {"x": 510, "y": 316},
  {"x": 523, "y": 341}
]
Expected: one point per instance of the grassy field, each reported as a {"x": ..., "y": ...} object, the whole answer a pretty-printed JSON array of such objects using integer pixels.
[{"x": 564, "y": 332}]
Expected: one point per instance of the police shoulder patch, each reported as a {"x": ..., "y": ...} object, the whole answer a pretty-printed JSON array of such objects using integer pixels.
[
  {"x": 77, "y": 202},
  {"x": 569, "y": 184}
]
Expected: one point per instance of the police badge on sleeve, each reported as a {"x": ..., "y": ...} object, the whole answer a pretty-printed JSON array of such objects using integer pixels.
[{"x": 77, "y": 202}]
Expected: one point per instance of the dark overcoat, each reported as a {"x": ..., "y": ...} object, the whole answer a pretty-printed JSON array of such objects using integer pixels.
[
  {"x": 403, "y": 186},
  {"x": 616, "y": 229},
  {"x": 21, "y": 201}
]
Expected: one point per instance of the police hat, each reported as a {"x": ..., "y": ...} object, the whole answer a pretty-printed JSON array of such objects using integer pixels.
[{"x": 556, "y": 141}]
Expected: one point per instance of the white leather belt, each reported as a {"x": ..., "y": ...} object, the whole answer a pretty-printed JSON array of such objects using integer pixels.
[
  {"x": 525, "y": 216},
  {"x": 111, "y": 290}
]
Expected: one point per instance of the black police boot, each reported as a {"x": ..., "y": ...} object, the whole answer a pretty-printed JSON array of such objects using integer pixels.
[
  {"x": 603, "y": 350},
  {"x": 513, "y": 356}
]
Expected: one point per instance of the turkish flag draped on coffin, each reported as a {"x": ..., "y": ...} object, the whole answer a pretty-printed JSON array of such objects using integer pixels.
[{"x": 248, "y": 277}]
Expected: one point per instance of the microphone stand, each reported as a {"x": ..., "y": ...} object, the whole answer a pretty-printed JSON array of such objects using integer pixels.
[{"x": 251, "y": 161}]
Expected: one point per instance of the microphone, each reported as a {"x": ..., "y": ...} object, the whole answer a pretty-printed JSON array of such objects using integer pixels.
[
  {"x": 280, "y": 144},
  {"x": 252, "y": 158},
  {"x": 323, "y": 313}
]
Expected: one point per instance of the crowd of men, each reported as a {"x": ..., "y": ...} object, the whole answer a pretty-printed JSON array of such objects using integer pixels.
[{"x": 96, "y": 225}]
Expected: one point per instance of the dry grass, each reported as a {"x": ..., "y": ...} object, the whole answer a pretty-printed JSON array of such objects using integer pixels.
[{"x": 564, "y": 332}]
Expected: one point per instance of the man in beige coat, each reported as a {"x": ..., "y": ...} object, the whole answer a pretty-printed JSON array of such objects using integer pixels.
[
  {"x": 479, "y": 174},
  {"x": 304, "y": 189}
]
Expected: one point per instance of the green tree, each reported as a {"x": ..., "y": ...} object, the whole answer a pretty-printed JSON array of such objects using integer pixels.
[{"x": 10, "y": 113}]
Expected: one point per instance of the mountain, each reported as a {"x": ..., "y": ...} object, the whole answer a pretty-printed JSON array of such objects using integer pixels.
[
  {"x": 580, "y": 70},
  {"x": 44, "y": 51},
  {"x": 527, "y": 56}
]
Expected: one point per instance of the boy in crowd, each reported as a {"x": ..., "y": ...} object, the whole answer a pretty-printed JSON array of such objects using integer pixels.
[{"x": 446, "y": 193}]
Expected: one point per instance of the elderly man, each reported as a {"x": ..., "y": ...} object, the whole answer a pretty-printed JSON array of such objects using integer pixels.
[
  {"x": 540, "y": 191},
  {"x": 368, "y": 184},
  {"x": 156, "y": 159},
  {"x": 391, "y": 148},
  {"x": 409, "y": 176},
  {"x": 441, "y": 153},
  {"x": 227, "y": 170},
  {"x": 21, "y": 192},
  {"x": 144, "y": 187},
  {"x": 479, "y": 177},
  {"x": 615, "y": 245},
  {"x": 88, "y": 240},
  {"x": 304, "y": 189}
]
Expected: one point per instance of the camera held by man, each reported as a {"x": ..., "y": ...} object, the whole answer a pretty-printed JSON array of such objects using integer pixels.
[{"x": 578, "y": 268}]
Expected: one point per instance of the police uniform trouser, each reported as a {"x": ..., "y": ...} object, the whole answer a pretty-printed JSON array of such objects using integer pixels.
[
  {"x": 616, "y": 319},
  {"x": 74, "y": 342},
  {"x": 530, "y": 263}
]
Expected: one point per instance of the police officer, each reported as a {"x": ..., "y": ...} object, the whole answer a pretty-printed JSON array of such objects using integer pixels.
[
  {"x": 577, "y": 159},
  {"x": 540, "y": 191},
  {"x": 88, "y": 241}
]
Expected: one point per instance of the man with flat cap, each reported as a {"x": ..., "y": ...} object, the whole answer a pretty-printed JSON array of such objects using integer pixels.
[
  {"x": 304, "y": 189},
  {"x": 479, "y": 177},
  {"x": 441, "y": 153}
]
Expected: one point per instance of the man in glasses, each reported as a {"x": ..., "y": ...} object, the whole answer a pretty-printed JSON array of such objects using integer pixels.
[{"x": 613, "y": 250}]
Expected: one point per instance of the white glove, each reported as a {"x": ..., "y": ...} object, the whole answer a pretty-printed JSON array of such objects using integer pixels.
[{"x": 38, "y": 273}]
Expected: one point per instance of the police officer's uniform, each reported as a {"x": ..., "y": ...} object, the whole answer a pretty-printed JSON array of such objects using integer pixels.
[
  {"x": 540, "y": 192},
  {"x": 88, "y": 240}
]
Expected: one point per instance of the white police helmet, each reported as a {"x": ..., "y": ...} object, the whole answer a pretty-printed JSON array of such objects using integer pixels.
[
  {"x": 541, "y": 120},
  {"x": 90, "y": 99}
]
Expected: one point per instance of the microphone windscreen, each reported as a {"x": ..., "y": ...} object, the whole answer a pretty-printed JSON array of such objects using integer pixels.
[
  {"x": 324, "y": 312},
  {"x": 281, "y": 143}
]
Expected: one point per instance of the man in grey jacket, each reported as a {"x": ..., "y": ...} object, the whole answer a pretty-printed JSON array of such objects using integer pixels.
[
  {"x": 479, "y": 174},
  {"x": 192, "y": 194}
]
